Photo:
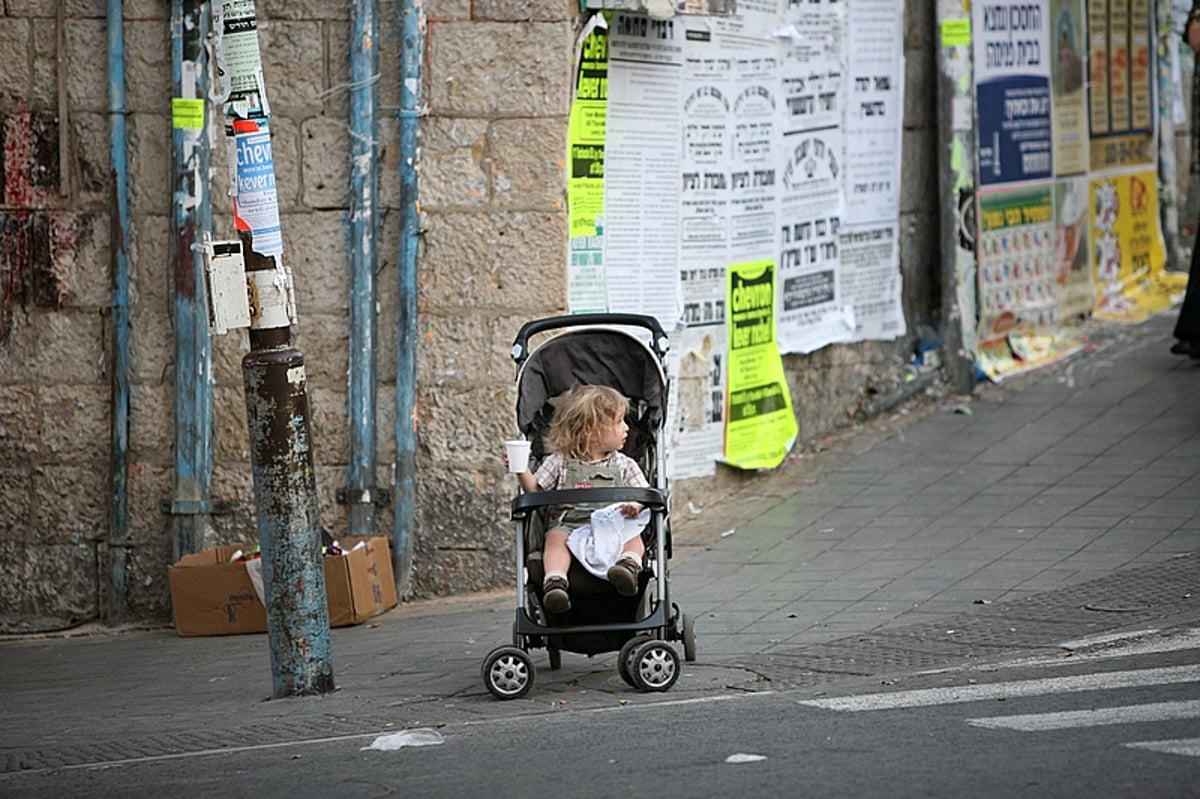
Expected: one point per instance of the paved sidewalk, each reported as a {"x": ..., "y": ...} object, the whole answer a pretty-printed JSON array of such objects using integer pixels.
[
  {"x": 1065, "y": 476},
  {"x": 1059, "y": 503}
]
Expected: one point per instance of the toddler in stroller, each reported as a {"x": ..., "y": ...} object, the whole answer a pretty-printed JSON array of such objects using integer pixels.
[
  {"x": 592, "y": 531},
  {"x": 585, "y": 437}
]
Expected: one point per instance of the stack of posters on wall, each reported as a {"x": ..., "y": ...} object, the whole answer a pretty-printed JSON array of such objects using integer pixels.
[
  {"x": 756, "y": 148},
  {"x": 1068, "y": 222}
]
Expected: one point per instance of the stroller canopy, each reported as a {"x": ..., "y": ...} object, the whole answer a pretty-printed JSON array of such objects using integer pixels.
[{"x": 593, "y": 355}]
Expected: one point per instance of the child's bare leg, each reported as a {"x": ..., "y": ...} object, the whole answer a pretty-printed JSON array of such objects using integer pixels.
[
  {"x": 556, "y": 559},
  {"x": 555, "y": 555},
  {"x": 634, "y": 549}
]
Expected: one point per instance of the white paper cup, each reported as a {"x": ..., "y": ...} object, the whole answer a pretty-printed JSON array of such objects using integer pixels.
[{"x": 518, "y": 455}]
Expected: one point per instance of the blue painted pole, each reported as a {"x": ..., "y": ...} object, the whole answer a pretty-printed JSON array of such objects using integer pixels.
[
  {"x": 273, "y": 374},
  {"x": 406, "y": 340},
  {"x": 361, "y": 494},
  {"x": 118, "y": 534},
  {"x": 192, "y": 220}
]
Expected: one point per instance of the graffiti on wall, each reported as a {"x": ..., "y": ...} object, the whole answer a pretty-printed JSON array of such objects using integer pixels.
[{"x": 38, "y": 236}]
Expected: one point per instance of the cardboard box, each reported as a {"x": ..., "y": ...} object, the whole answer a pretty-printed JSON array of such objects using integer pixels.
[{"x": 212, "y": 596}]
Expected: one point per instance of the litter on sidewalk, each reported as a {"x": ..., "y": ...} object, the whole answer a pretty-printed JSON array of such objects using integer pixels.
[{"x": 422, "y": 736}]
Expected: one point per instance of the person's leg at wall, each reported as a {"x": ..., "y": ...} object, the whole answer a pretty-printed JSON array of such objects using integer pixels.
[{"x": 1187, "y": 327}]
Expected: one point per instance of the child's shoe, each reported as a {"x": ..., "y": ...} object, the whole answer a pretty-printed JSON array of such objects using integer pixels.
[
  {"x": 624, "y": 576},
  {"x": 554, "y": 595}
]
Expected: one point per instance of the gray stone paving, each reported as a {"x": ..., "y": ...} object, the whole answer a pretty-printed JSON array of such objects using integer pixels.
[{"x": 1086, "y": 470}]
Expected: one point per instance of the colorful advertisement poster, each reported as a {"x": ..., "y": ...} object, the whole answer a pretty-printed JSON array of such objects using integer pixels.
[
  {"x": 1121, "y": 66},
  {"x": 1020, "y": 282},
  {"x": 1012, "y": 73},
  {"x": 1127, "y": 249},
  {"x": 585, "y": 178},
  {"x": 760, "y": 427},
  {"x": 1068, "y": 45},
  {"x": 1017, "y": 276},
  {"x": 256, "y": 203}
]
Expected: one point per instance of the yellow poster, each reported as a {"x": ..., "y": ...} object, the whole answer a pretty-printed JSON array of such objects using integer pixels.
[
  {"x": 760, "y": 427},
  {"x": 585, "y": 178},
  {"x": 1127, "y": 250}
]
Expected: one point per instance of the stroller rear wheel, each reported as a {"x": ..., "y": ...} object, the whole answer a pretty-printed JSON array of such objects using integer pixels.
[
  {"x": 689, "y": 637},
  {"x": 654, "y": 666},
  {"x": 508, "y": 672}
]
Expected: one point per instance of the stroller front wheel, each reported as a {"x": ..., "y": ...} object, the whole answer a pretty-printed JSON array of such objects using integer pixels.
[
  {"x": 625, "y": 663},
  {"x": 508, "y": 672},
  {"x": 654, "y": 666}
]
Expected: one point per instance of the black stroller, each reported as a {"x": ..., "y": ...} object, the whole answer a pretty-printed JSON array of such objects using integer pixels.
[{"x": 595, "y": 349}]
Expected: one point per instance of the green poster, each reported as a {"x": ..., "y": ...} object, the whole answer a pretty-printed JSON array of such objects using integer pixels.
[
  {"x": 585, "y": 178},
  {"x": 760, "y": 427}
]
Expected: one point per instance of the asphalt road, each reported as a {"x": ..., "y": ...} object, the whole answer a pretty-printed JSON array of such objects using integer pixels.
[{"x": 1114, "y": 717}]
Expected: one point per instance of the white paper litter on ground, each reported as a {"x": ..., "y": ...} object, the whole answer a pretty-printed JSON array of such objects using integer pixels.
[
  {"x": 744, "y": 758},
  {"x": 398, "y": 740}
]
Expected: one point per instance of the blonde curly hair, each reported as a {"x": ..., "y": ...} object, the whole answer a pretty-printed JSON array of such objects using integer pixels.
[{"x": 578, "y": 413}]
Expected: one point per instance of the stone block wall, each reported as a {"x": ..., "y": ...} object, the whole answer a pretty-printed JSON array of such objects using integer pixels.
[{"x": 496, "y": 88}]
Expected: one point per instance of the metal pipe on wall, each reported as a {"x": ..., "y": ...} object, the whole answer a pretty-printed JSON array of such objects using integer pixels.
[
  {"x": 361, "y": 494},
  {"x": 118, "y": 532},
  {"x": 192, "y": 207},
  {"x": 406, "y": 378}
]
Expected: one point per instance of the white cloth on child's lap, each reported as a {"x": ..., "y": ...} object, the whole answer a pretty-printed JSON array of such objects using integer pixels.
[{"x": 598, "y": 545}]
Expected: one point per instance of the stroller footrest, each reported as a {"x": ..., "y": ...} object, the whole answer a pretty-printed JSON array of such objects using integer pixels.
[{"x": 525, "y": 625}]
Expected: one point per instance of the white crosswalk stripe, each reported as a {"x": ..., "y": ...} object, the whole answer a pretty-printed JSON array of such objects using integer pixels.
[
  {"x": 1093, "y": 717},
  {"x": 1111, "y": 647},
  {"x": 974, "y": 693},
  {"x": 1189, "y": 747}
]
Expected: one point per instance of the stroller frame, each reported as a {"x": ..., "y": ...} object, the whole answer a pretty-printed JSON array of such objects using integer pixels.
[{"x": 645, "y": 661}]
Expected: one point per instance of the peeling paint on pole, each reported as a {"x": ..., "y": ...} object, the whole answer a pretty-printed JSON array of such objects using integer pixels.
[
  {"x": 285, "y": 494},
  {"x": 285, "y": 489}
]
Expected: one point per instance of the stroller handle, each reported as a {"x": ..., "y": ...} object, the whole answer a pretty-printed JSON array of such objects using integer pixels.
[
  {"x": 520, "y": 348},
  {"x": 523, "y": 504}
]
